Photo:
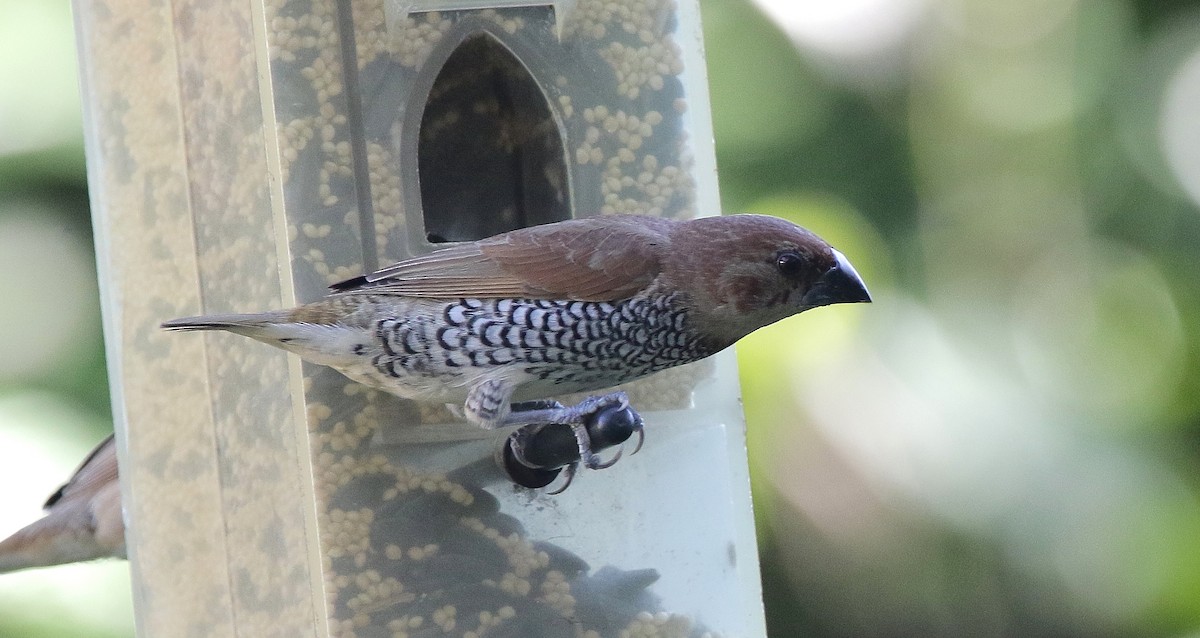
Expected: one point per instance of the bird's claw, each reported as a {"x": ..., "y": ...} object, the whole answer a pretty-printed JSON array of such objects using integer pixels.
[
  {"x": 606, "y": 464},
  {"x": 568, "y": 475},
  {"x": 541, "y": 452},
  {"x": 586, "y": 454},
  {"x": 641, "y": 432},
  {"x": 593, "y": 405}
]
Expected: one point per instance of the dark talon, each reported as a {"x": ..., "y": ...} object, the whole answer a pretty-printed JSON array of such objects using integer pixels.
[
  {"x": 596, "y": 464},
  {"x": 568, "y": 475}
]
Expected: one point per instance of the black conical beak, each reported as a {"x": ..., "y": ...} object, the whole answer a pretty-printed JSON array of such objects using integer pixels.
[{"x": 840, "y": 284}]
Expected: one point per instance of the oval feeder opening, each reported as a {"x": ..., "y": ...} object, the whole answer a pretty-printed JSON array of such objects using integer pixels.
[{"x": 490, "y": 156}]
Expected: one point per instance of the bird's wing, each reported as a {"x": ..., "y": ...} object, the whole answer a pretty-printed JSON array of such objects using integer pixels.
[
  {"x": 96, "y": 471},
  {"x": 591, "y": 259}
]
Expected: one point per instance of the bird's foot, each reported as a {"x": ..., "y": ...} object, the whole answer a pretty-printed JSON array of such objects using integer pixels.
[
  {"x": 577, "y": 416},
  {"x": 541, "y": 448}
]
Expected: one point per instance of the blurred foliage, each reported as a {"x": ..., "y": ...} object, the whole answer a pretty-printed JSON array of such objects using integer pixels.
[
  {"x": 1004, "y": 444},
  {"x": 54, "y": 402}
]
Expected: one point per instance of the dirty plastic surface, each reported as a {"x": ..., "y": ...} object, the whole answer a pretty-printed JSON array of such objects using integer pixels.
[{"x": 291, "y": 145}]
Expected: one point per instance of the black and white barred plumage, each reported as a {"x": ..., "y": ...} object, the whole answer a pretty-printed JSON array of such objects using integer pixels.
[
  {"x": 560, "y": 346},
  {"x": 574, "y": 306}
]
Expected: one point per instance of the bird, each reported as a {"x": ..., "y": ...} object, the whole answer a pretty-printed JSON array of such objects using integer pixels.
[
  {"x": 499, "y": 324},
  {"x": 83, "y": 519}
]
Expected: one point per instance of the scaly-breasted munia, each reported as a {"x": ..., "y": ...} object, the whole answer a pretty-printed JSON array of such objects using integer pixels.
[
  {"x": 83, "y": 519},
  {"x": 573, "y": 306}
]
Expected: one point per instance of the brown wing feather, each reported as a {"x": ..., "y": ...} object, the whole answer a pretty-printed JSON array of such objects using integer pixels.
[
  {"x": 592, "y": 259},
  {"x": 96, "y": 471}
]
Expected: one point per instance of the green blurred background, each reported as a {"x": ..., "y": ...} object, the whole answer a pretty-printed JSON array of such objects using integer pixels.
[{"x": 1006, "y": 443}]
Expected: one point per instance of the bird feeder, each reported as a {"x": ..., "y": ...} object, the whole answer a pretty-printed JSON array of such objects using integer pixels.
[{"x": 245, "y": 156}]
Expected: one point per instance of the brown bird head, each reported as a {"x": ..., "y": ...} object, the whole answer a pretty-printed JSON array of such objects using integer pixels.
[{"x": 743, "y": 272}]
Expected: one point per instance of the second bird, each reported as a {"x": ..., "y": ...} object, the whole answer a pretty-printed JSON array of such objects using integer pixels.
[{"x": 573, "y": 306}]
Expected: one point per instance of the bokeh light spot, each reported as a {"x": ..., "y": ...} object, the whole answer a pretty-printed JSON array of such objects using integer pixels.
[
  {"x": 851, "y": 28},
  {"x": 1179, "y": 128},
  {"x": 39, "y": 94},
  {"x": 1099, "y": 330}
]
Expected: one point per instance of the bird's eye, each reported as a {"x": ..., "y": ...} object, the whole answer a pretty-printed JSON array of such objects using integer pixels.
[{"x": 789, "y": 264}]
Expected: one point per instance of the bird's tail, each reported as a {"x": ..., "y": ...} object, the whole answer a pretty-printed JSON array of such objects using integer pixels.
[
  {"x": 325, "y": 343},
  {"x": 43, "y": 543},
  {"x": 255, "y": 325},
  {"x": 77, "y": 531}
]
